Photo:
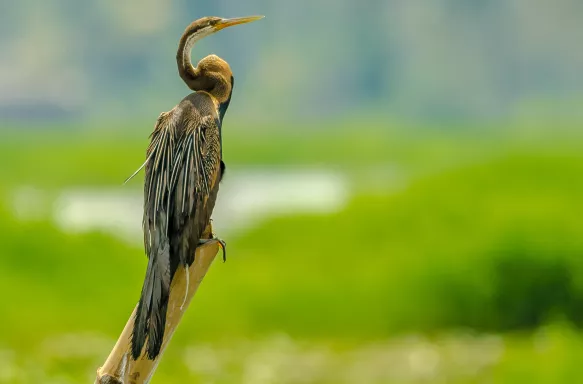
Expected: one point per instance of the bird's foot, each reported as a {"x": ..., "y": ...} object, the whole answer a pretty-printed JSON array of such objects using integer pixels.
[{"x": 221, "y": 242}]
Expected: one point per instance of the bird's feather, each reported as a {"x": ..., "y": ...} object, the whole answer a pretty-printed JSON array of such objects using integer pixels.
[{"x": 182, "y": 172}]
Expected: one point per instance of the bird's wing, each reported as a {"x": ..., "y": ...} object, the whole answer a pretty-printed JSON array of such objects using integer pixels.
[
  {"x": 182, "y": 170},
  {"x": 158, "y": 167},
  {"x": 196, "y": 167},
  {"x": 151, "y": 312}
]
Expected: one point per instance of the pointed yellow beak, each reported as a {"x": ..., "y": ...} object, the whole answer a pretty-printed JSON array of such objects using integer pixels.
[{"x": 225, "y": 23}]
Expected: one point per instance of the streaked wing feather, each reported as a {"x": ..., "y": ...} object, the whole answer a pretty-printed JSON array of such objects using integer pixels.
[
  {"x": 182, "y": 168},
  {"x": 156, "y": 186}
]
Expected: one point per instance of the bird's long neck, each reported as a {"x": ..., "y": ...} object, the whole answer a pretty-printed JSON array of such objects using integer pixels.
[
  {"x": 211, "y": 81},
  {"x": 186, "y": 70}
]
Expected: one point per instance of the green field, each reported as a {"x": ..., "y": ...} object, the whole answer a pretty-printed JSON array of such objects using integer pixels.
[{"x": 466, "y": 269}]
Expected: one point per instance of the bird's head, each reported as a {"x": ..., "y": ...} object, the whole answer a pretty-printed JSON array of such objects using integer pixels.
[{"x": 212, "y": 24}]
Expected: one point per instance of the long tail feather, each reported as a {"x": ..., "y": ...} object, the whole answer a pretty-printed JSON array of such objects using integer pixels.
[{"x": 150, "y": 318}]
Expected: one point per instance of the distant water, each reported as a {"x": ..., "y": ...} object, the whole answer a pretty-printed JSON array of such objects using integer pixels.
[{"x": 246, "y": 198}]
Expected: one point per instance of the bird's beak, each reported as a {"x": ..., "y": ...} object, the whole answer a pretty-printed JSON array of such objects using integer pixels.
[{"x": 225, "y": 23}]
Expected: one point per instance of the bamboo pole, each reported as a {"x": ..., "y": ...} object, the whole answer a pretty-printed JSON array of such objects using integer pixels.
[{"x": 120, "y": 368}]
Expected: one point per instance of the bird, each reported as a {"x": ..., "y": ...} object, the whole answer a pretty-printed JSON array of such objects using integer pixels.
[{"x": 183, "y": 168}]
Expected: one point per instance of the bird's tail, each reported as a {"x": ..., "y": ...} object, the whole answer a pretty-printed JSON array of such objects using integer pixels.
[{"x": 150, "y": 318}]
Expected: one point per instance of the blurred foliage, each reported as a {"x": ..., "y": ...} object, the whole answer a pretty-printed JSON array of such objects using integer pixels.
[
  {"x": 430, "y": 60},
  {"x": 484, "y": 234}
]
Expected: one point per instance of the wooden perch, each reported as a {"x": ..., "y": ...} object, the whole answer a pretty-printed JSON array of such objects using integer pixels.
[{"x": 120, "y": 368}]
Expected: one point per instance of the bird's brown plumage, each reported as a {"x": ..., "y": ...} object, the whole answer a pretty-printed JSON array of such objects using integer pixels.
[{"x": 183, "y": 169}]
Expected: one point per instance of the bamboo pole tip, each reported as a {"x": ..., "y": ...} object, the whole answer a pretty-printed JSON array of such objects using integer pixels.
[{"x": 120, "y": 368}]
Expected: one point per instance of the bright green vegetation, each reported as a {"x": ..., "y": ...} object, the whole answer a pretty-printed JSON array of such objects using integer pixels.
[{"x": 486, "y": 235}]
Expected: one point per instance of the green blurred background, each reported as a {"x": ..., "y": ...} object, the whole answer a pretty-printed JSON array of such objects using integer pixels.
[{"x": 403, "y": 200}]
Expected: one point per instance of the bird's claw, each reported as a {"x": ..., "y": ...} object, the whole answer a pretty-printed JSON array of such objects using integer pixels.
[{"x": 222, "y": 245}]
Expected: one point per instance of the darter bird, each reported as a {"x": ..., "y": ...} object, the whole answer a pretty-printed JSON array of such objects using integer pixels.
[{"x": 183, "y": 168}]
